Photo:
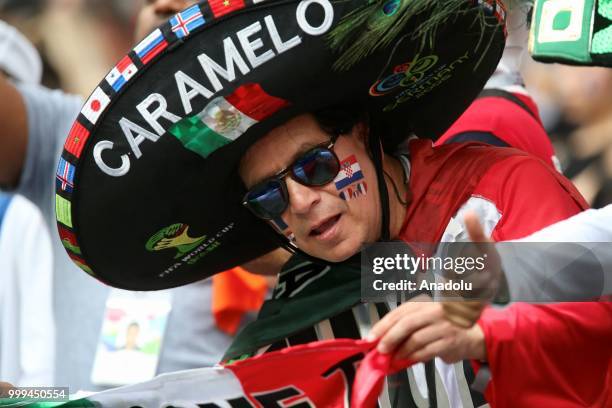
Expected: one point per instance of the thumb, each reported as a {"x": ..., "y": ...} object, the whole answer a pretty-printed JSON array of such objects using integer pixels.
[{"x": 474, "y": 228}]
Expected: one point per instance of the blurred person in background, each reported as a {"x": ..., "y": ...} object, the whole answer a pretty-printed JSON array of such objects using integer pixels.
[
  {"x": 584, "y": 96},
  {"x": 36, "y": 121},
  {"x": 27, "y": 331}
]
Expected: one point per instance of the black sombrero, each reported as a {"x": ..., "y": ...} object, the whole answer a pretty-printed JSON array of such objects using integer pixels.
[{"x": 148, "y": 195}]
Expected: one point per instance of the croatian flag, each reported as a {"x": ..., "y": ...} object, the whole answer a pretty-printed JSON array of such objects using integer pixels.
[
  {"x": 151, "y": 46},
  {"x": 186, "y": 21},
  {"x": 121, "y": 73},
  {"x": 95, "y": 105},
  {"x": 350, "y": 172},
  {"x": 65, "y": 176}
]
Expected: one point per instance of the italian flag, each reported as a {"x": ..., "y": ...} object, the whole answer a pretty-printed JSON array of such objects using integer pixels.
[
  {"x": 225, "y": 119},
  {"x": 320, "y": 374}
]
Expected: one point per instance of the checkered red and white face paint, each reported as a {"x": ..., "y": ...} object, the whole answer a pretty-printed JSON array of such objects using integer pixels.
[{"x": 350, "y": 181}]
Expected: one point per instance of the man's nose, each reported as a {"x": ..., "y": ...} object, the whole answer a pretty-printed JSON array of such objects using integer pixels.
[
  {"x": 301, "y": 198},
  {"x": 167, "y": 8}
]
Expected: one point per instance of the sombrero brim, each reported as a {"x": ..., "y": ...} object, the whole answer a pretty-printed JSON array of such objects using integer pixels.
[{"x": 148, "y": 195}]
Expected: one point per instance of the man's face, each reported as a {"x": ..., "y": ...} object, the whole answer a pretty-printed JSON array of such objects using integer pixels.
[
  {"x": 324, "y": 225},
  {"x": 155, "y": 12}
]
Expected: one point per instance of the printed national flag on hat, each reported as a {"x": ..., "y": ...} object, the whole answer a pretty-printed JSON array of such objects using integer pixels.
[
  {"x": 121, "y": 73},
  {"x": 186, "y": 21},
  {"x": 69, "y": 240},
  {"x": 81, "y": 263},
  {"x": 350, "y": 172},
  {"x": 65, "y": 176},
  {"x": 76, "y": 139},
  {"x": 95, "y": 105},
  {"x": 63, "y": 210},
  {"x": 225, "y": 119},
  {"x": 222, "y": 7},
  {"x": 151, "y": 46}
]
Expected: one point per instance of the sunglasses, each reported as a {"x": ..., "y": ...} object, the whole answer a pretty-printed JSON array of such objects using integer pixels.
[{"x": 316, "y": 167}]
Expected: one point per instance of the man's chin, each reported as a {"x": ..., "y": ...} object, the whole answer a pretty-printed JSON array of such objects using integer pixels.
[{"x": 338, "y": 253}]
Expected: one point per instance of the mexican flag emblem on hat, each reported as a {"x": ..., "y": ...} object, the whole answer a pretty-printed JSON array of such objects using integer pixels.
[{"x": 148, "y": 195}]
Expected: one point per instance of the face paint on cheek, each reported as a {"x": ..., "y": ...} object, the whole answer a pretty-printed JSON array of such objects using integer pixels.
[
  {"x": 350, "y": 182},
  {"x": 282, "y": 228}
]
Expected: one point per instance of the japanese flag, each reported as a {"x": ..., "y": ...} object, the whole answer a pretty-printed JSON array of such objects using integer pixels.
[{"x": 95, "y": 105}]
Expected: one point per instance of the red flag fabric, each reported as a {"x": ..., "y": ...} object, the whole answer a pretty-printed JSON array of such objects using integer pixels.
[
  {"x": 254, "y": 102},
  {"x": 76, "y": 139},
  {"x": 222, "y": 7},
  {"x": 320, "y": 374},
  {"x": 323, "y": 374}
]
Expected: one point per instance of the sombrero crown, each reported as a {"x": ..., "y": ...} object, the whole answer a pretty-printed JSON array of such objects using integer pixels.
[{"x": 148, "y": 195}]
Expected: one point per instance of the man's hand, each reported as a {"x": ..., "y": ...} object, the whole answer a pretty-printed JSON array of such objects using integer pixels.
[
  {"x": 5, "y": 387},
  {"x": 465, "y": 313},
  {"x": 419, "y": 330}
]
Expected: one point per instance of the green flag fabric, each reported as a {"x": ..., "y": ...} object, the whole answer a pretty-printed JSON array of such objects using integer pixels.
[
  {"x": 575, "y": 32},
  {"x": 306, "y": 294}
]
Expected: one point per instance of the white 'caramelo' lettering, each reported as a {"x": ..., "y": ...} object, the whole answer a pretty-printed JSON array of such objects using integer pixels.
[
  {"x": 182, "y": 81},
  {"x": 232, "y": 57},
  {"x": 129, "y": 129},
  {"x": 300, "y": 15},
  {"x": 249, "y": 47},
  {"x": 280, "y": 45},
  {"x": 188, "y": 88},
  {"x": 122, "y": 170},
  {"x": 161, "y": 111}
]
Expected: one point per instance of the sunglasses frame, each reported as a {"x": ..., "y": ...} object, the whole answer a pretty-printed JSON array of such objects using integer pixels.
[{"x": 289, "y": 171}]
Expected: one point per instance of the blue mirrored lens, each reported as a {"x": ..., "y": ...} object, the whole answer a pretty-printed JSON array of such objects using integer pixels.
[
  {"x": 267, "y": 200},
  {"x": 316, "y": 168}
]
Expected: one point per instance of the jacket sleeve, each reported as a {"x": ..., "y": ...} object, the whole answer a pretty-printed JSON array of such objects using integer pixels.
[
  {"x": 549, "y": 355},
  {"x": 533, "y": 196},
  {"x": 544, "y": 355}
]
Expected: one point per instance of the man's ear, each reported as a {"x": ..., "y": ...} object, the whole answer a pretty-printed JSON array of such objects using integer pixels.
[{"x": 360, "y": 132}]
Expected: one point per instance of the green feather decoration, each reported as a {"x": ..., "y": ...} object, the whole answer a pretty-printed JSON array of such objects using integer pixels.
[{"x": 378, "y": 23}]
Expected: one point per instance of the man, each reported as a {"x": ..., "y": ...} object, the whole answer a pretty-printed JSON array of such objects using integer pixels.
[
  {"x": 35, "y": 122},
  {"x": 329, "y": 228}
]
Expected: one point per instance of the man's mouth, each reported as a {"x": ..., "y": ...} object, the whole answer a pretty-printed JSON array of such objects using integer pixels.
[{"x": 325, "y": 227}]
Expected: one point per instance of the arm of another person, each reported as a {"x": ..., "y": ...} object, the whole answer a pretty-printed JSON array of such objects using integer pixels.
[
  {"x": 34, "y": 144},
  {"x": 552, "y": 341},
  {"x": 13, "y": 133},
  {"x": 532, "y": 197}
]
